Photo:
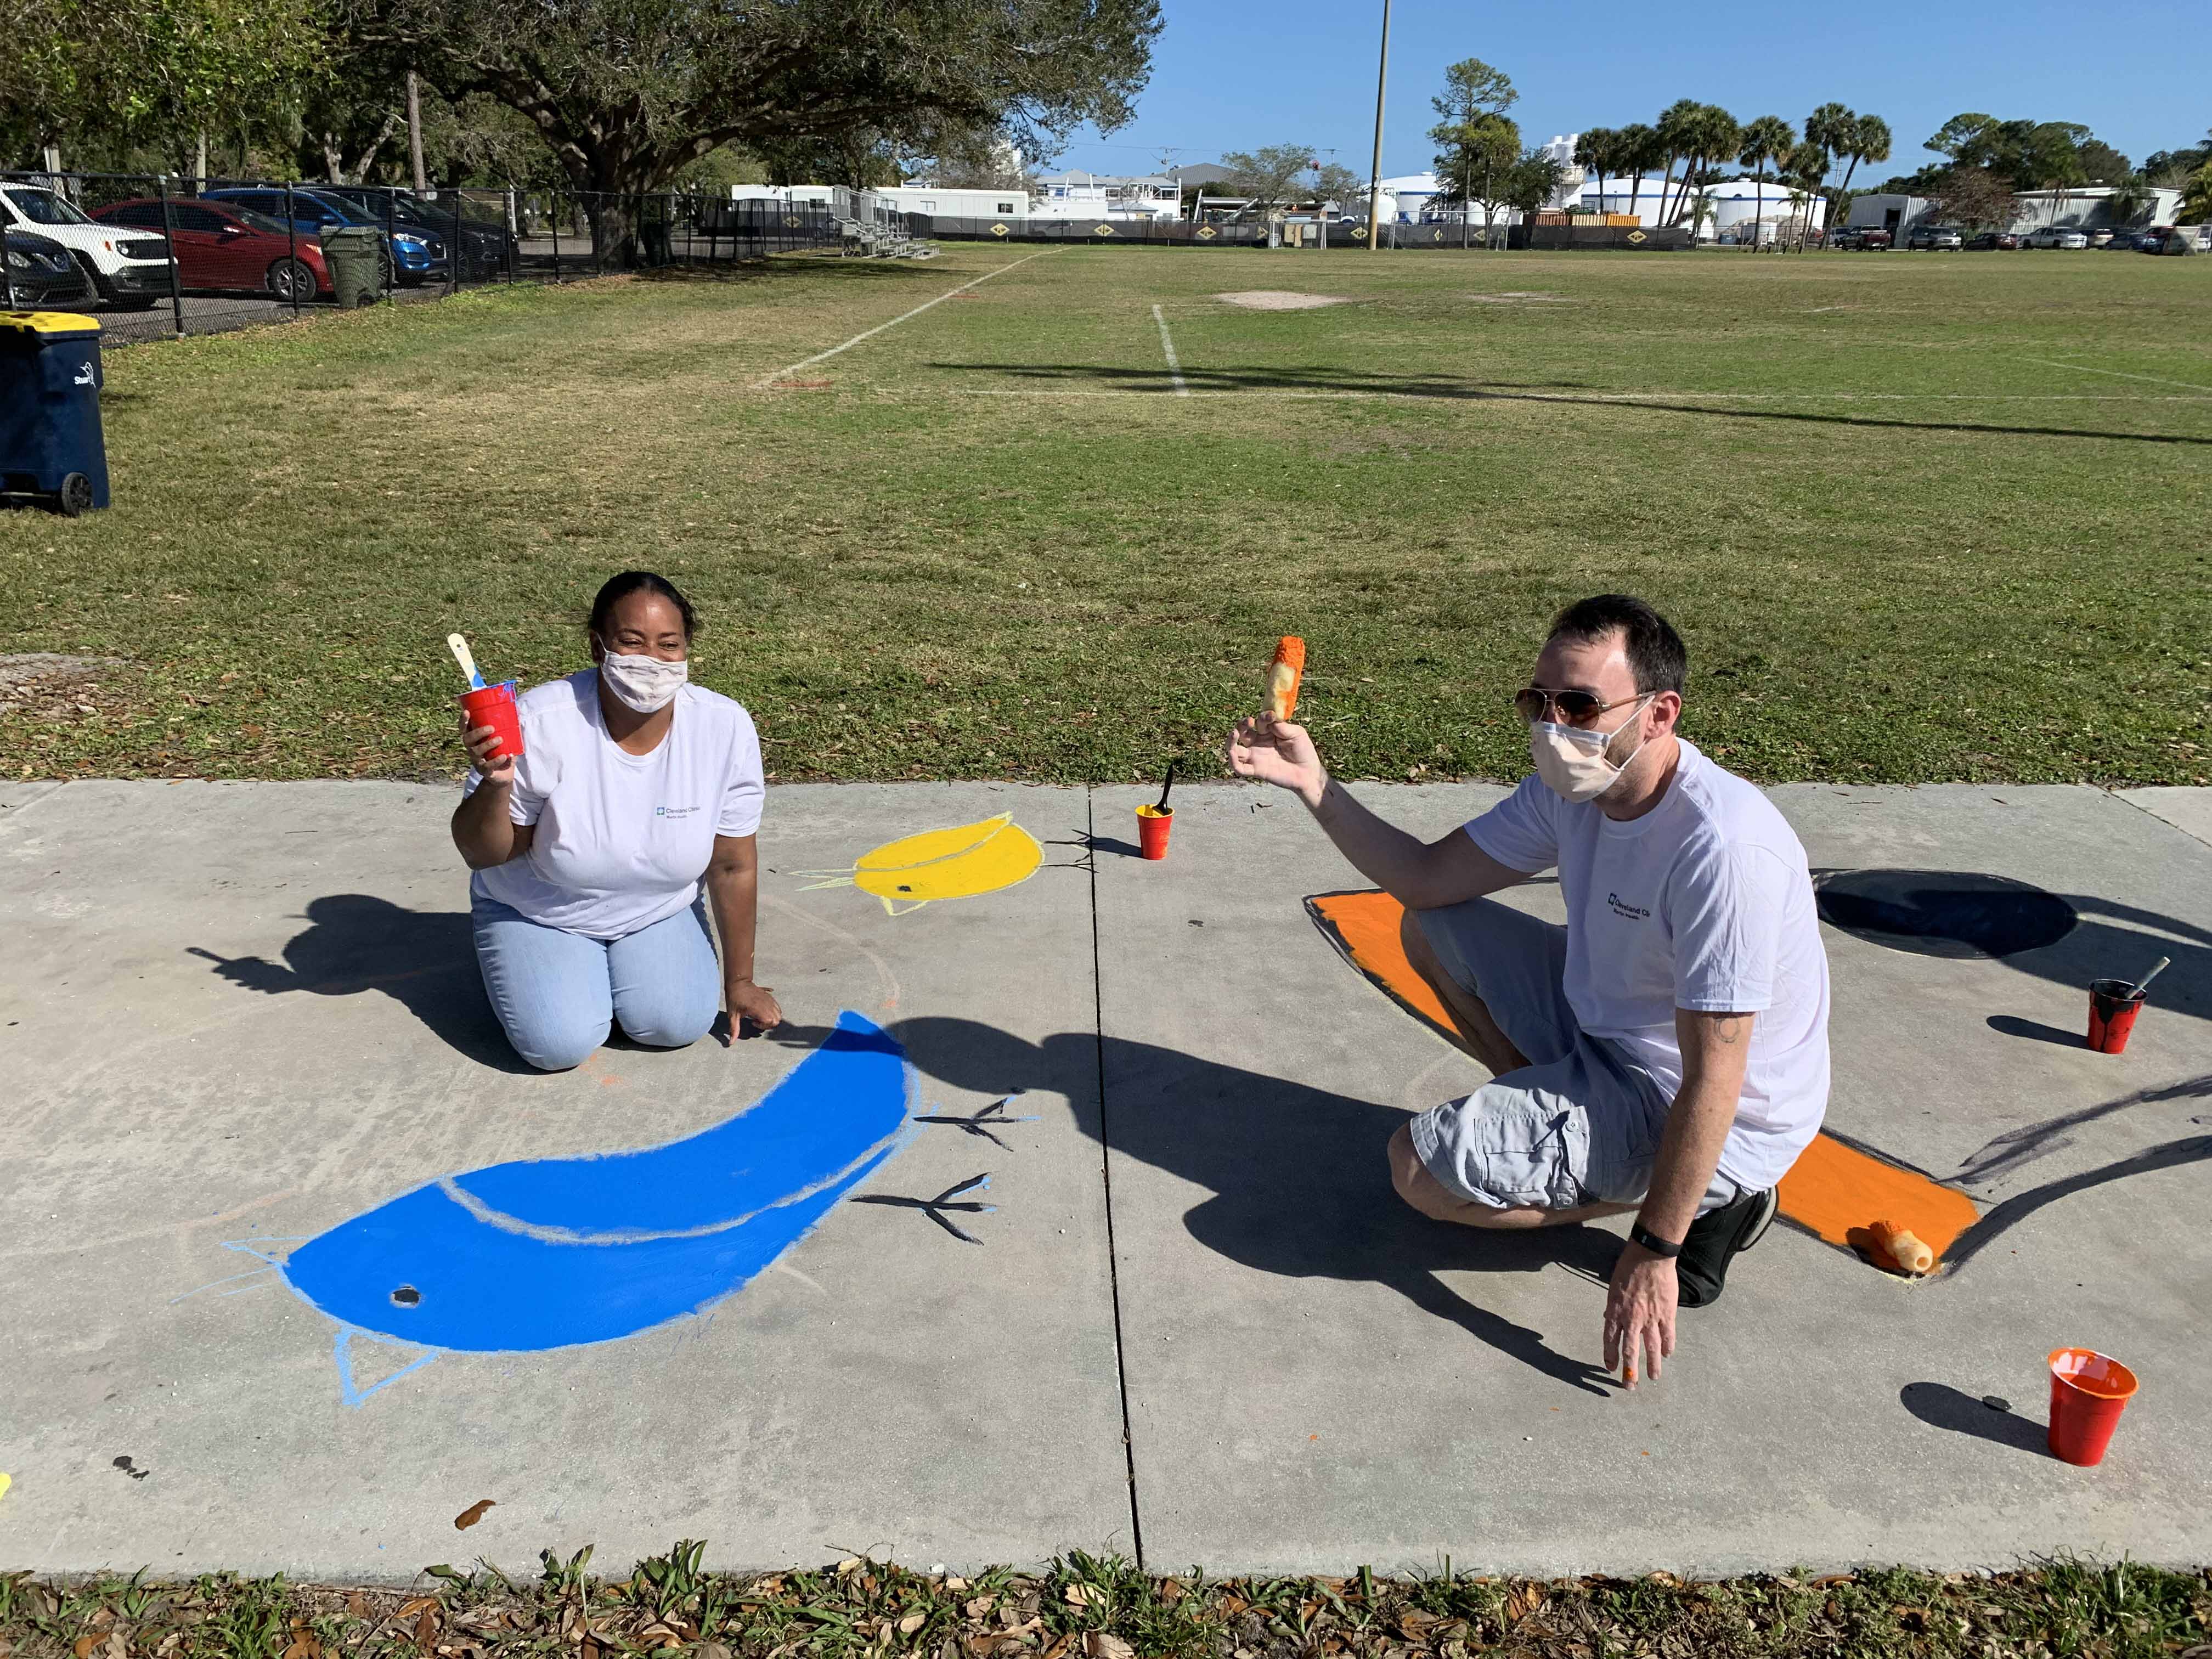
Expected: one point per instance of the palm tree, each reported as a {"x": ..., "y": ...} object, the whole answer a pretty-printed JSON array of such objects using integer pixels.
[
  {"x": 1766, "y": 139},
  {"x": 1638, "y": 153},
  {"x": 1718, "y": 138},
  {"x": 1829, "y": 130},
  {"x": 1805, "y": 167},
  {"x": 2196, "y": 200},
  {"x": 1595, "y": 151},
  {"x": 1867, "y": 141},
  {"x": 1674, "y": 136}
]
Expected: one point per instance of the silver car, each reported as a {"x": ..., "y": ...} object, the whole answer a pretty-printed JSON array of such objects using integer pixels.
[{"x": 2056, "y": 236}]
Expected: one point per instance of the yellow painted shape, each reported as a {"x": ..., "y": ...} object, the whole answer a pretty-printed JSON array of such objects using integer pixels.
[
  {"x": 1834, "y": 1191},
  {"x": 960, "y": 862}
]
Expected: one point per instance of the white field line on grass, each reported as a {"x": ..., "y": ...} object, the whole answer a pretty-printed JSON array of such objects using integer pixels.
[
  {"x": 2118, "y": 374},
  {"x": 766, "y": 381},
  {"x": 1167, "y": 344}
]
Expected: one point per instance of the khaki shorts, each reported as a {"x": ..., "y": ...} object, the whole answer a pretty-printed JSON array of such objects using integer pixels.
[{"x": 1581, "y": 1123}]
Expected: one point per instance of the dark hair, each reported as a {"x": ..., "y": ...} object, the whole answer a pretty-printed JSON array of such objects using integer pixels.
[
  {"x": 1654, "y": 652},
  {"x": 619, "y": 588}
]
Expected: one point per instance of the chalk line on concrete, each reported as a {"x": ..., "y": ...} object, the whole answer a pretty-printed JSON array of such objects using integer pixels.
[
  {"x": 1167, "y": 345},
  {"x": 762, "y": 384}
]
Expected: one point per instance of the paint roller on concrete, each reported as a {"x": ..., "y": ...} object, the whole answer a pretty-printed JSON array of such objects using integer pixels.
[{"x": 1908, "y": 1253}]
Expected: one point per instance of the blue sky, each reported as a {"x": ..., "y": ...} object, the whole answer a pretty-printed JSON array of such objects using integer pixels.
[{"x": 1237, "y": 74}]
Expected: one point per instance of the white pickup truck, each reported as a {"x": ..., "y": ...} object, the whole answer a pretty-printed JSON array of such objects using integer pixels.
[{"x": 129, "y": 269}]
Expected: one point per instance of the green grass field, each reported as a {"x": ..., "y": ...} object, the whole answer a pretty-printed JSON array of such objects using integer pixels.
[{"x": 1920, "y": 517}]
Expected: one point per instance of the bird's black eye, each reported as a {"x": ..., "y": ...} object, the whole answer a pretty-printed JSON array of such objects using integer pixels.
[{"x": 407, "y": 1295}]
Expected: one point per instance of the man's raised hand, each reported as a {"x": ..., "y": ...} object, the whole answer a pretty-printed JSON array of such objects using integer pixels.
[{"x": 1279, "y": 752}]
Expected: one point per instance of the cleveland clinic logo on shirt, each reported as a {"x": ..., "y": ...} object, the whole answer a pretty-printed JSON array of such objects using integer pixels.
[
  {"x": 675, "y": 813},
  {"x": 1630, "y": 912}
]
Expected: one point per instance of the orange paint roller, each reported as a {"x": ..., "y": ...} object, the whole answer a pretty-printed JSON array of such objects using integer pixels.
[
  {"x": 1901, "y": 1247},
  {"x": 1284, "y": 674}
]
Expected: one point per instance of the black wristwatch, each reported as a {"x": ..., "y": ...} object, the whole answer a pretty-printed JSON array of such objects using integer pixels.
[{"x": 1639, "y": 1233}]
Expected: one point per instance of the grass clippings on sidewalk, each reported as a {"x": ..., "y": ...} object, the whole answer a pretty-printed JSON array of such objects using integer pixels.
[
  {"x": 1920, "y": 517},
  {"x": 1085, "y": 1607}
]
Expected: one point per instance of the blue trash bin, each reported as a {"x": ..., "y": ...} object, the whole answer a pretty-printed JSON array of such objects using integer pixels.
[{"x": 51, "y": 447}]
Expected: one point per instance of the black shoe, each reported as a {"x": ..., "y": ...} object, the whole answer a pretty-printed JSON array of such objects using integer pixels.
[{"x": 1715, "y": 1239}]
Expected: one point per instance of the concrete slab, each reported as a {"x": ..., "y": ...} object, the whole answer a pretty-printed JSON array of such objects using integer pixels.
[
  {"x": 1316, "y": 1379},
  {"x": 2187, "y": 810},
  {"x": 240, "y": 1014}
]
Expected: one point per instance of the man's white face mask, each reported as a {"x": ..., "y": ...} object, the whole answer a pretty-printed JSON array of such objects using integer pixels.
[
  {"x": 1577, "y": 764},
  {"x": 644, "y": 683}
]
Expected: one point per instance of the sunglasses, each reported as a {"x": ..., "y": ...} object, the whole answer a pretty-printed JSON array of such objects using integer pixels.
[{"x": 1534, "y": 704}]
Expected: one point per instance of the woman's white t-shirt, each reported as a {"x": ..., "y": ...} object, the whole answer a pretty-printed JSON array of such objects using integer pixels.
[{"x": 622, "y": 839}]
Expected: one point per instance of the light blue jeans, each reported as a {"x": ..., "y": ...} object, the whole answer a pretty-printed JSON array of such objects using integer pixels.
[{"x": 555, "y": 992}]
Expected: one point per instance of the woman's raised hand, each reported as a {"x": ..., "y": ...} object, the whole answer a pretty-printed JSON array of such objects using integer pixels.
[
  {"x": 481, "y": 741},
  {"x": 1279, "y": 752}
]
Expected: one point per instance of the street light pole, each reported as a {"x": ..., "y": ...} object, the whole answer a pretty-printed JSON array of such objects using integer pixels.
[{"x": 1374, "y": 176}]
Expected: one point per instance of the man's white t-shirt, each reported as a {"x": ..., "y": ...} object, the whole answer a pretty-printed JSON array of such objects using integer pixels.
[
  {"x": 622, "y": 839},
  {"x": 1705, "y": 903}
]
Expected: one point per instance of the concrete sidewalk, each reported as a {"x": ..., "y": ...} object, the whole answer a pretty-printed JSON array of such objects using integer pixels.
[{"x": 1196, "y": 1324}]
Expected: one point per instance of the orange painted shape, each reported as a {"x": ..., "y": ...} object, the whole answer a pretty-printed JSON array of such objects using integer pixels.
[{"x": 1834, "y": 1191}]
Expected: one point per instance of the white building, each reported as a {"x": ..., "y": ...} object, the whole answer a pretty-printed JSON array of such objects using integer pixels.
[
  {"x": 2088, "y": 208},
  {"x": 1013, "y": 205},
  {"x": 1079, "y": 195},
  {"x": 1737, "y": 204}
]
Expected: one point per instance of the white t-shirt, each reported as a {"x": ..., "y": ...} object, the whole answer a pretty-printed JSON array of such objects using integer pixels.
[
  {"x": 622, "y": 839},
  {"x": 1705, "y": 903}
]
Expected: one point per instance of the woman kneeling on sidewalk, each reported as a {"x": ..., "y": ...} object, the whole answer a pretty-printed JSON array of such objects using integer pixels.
[{"x": 634, "y": 788}]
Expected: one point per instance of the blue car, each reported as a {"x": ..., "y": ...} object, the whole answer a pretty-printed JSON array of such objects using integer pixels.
[{"x": 417, "y": 254}]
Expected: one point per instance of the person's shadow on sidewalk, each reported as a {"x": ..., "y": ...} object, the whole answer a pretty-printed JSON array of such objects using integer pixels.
[
  {"x": 424, "y": 960},
  {"x": 1300, "y": 1186}
]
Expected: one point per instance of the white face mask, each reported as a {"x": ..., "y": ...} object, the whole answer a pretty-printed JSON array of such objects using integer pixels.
[
  {"x": 1574, "y": 762},
  {"x": 645, "y": 683}
]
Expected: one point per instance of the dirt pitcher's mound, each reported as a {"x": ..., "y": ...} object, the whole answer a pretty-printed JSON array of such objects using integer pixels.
[{"x": 1276, "y": 299}]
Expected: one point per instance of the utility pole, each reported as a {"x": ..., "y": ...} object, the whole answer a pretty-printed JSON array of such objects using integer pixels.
[
  {"x": 415, "y": 132},
  {"x": 1374, "y": 175}
]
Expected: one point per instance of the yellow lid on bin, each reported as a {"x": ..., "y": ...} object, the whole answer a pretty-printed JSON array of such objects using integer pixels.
[{"x": 48, "y": 322}]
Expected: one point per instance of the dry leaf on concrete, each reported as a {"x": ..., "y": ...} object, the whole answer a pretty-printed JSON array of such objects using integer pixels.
[{"x": 475, "y": 1512}]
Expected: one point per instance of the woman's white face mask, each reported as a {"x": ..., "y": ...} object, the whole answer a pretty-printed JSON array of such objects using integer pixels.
[
  {"x": 646, "y": 684},
  {"x": 1577, "y": 764}
]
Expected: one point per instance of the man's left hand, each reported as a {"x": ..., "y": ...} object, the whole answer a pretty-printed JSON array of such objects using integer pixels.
[
  {"x": 749, "y": 1001},
  {"x": 1639, "y": 1312}
]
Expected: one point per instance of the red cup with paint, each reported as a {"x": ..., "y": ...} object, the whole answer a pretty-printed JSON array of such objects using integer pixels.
[
  {"x": 2089, "y": 1392},
  {"x": 2114, "y": 1004},
  {"x": 1153, "y": 823},
  {"x": 493, "y": 706}
]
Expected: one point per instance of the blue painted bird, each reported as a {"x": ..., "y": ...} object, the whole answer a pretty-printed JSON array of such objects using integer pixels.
[{"x": 545, "y": 1254}]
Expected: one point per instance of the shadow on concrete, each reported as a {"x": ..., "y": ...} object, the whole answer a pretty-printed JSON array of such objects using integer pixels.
[
  {"x": 424, "y": 960},
  {"x": 1374, "y": 383},
  {"x": 2035, "y": 1030},
  {"x": 1298, "y": 1183},
  {"x": 2067, "y": 938},
  {"x": 1943, "y": 1407}
]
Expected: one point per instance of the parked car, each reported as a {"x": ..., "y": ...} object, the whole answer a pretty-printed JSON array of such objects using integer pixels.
[
  {"x": 415, "y": 257},
  {"x": 1868, "y": 240},
  {"x": 2185, "y": 239},
  {"x": 2059, "y": 236},
  {"x": 129, "y": 272},
  {"x": 1990, "y": 239},
  {"x": 222, "y": 246},
  {"x": 1936, "y": 238},
  {"x": 486, "y": 247},
  {"x": 2100, "y": 236},
  {"x": 42, "y": 273},
  {"x": 2124, "y": 241}
]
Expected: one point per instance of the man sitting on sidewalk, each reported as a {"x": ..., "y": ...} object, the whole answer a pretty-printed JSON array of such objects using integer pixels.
[{"x": 1666, "y": 1053}]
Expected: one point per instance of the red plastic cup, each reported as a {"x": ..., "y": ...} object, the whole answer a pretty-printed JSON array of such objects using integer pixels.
[
  {"x": 493, "y": 706},
  {"x": 1153, "y": 823},
  {"x": 2114, "y": 1004},
  {"x": 2089, "y": 1392}
]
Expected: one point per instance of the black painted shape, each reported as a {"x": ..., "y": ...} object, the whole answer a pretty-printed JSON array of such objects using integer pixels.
[{"x": 1942, "y": 913}]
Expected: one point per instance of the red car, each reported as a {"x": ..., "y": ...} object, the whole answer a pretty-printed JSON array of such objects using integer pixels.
[{"x": 222, "y": 247}]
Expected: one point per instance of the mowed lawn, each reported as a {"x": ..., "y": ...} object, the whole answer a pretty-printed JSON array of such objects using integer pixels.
[{"x": 1920, "y": 517}]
